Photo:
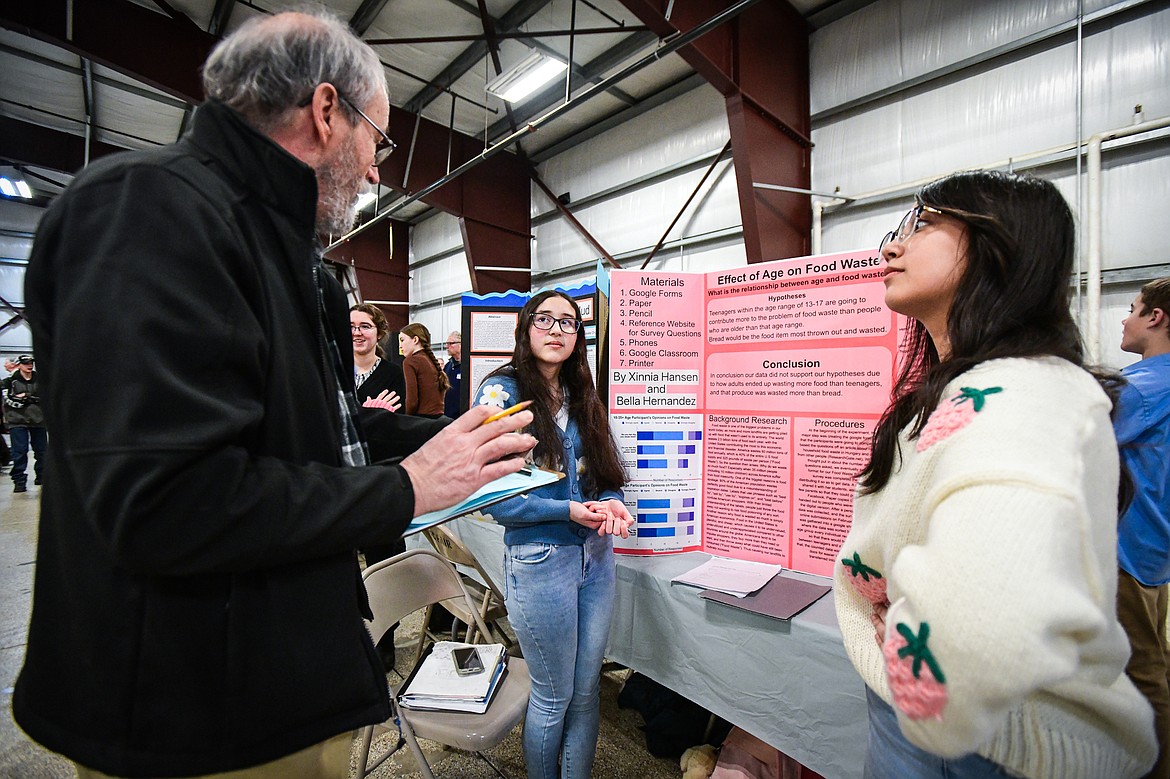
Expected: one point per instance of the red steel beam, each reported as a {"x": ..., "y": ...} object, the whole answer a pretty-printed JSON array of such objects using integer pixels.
[
  {"x": 151, "y": 47},
  {"x": 376, "y": 257},
  {"x": 492, "y": 200},
  {"x": 759, "y": 63}
]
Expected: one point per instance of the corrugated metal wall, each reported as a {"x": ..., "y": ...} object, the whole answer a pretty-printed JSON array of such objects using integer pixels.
[
  {"x": 996, "y": 110},
  {"x": 18, "y": 222},
  {"x": 902, "y": 91}
]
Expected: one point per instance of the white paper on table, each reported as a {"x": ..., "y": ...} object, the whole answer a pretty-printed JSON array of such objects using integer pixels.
[{"x": 724, "y": 574}]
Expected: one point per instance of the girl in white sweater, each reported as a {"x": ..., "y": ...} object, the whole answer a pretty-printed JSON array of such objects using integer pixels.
[{"x": 976, "y": 589}]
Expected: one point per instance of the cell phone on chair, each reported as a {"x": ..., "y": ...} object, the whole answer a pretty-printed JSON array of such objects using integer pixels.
[{"x": 467, "y": 662}]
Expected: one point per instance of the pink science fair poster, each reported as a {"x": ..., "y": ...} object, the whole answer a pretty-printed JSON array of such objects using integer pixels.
[{"x": 743, "y": 402}]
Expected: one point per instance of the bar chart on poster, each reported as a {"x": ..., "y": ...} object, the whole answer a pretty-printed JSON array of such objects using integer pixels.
[{"x": 742, "y": 402}]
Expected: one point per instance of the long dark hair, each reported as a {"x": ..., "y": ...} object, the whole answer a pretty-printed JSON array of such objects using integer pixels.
[
  {"x": 603, "y": 469},
  {"x": 1012, "y": 299},
  {"x": 420, "y": 331}
]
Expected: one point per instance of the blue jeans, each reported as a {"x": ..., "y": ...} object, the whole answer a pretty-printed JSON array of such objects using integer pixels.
[
  {"x": 891, "y": 756},
  {"x": 22, "y": 437},
  {"x": 560, "y": 603}
]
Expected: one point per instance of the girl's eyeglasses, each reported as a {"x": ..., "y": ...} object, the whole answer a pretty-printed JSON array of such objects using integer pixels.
[
  {"x": 909, "y": 225},
  {"x": 545, "y": 322}
]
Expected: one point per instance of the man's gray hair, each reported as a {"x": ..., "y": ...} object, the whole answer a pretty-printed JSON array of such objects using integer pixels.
[{"x": 270, "y": 64}]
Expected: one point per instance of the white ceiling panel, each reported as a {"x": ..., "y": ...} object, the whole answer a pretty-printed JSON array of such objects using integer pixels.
[
  {"x": 134, "y": 117},
  {"x": 37, "y": 49},
  {"x": 56, "y": 102},
  {"x": 129, "y": 113}
]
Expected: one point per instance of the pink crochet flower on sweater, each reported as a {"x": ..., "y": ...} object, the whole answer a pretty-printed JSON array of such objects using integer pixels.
[
  {"x": 867, "y": 581},
  {"x": 953, "y": 414},
  {"x": 916, "y": 681}
]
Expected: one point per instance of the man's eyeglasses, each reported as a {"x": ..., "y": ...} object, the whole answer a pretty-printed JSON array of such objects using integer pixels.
[
  {"x": 384, "y": 147},
  {"x": 364, "y": 327},
  {"x": 545, "y": 322},
  {"x": 909, "y": 225}
]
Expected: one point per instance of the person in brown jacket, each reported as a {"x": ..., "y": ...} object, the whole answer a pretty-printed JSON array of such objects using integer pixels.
[{"x": 426, "y": 384}]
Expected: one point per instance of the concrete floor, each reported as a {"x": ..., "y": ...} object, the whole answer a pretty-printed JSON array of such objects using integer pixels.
[
  {"x": 621, "y": 751},
  {"x": 19, "y": 757}
]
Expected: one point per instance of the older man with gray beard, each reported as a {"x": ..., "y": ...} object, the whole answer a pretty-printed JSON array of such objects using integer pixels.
[{"x": 198, "y": 607}]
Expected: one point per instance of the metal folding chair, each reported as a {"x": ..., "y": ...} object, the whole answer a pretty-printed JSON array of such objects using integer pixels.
[
  {"x": 489, "y": 599},
  {"x": 402, "y": 585}
]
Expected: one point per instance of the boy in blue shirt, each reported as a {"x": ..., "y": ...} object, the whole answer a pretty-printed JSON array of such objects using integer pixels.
[{"x": 1142, "y": 425}]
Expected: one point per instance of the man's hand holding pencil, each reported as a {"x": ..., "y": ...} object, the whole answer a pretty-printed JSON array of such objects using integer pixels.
[{"x": 475, "y": 449}]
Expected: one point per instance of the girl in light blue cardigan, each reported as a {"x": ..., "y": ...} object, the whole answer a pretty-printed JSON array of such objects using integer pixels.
[{"x": 558, "y": 565}]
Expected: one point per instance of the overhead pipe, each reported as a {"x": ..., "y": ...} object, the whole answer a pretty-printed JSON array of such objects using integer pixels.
[
  {"x": 818, "y": 207},
  {"x": 1093, "y": 273},
  {"x": 514, "y": 35},
  {"x": 818, "y": 211},
  {"x": 1093, "y": 263},
  {"x": 667, "y": 46},
  {"x": 89, "y": 97},
  {"x": 1079, "y": 134}
]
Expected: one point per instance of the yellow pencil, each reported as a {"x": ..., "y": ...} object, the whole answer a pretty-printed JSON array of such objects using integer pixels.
[{"x": 506, "y": 412}]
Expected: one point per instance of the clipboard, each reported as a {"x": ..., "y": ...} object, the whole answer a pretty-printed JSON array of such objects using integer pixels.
[{"x": 493, "y": 492}]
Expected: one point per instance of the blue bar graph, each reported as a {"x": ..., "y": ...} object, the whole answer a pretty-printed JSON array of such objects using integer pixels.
[
  {"x": 686, "y": 516},
  {"x": 651, "y": 449},
  {"x": 655, "y": 503},
  {"x": 656, "y": 532},
  {"x": 686, "y": 449},
  {"x": 653, "y": 519},
  {"x": 688, "y": 502},
  {"x": 684, "y": 463},
  {"x": 653, "y": 464},
  {"x": 662, "y": 435}
]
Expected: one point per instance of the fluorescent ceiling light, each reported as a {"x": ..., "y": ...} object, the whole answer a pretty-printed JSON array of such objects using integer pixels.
[
  {"x": 15, "y": 188},
  {"x": 365, "y": 199},
  {"x": 527, "y": 76}
]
